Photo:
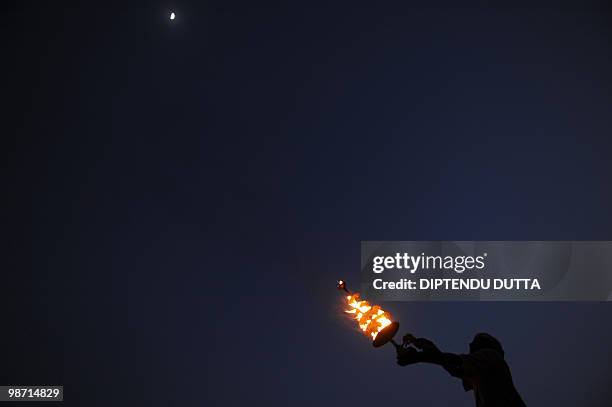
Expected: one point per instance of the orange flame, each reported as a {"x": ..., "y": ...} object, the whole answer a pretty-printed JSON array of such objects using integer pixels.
[{"x": 371, "y": 319}]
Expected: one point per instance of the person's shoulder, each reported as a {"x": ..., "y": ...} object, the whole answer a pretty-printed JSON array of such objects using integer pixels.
[
  {"x": 487, "y": 354},
  {"x": 483, "y": 361}
]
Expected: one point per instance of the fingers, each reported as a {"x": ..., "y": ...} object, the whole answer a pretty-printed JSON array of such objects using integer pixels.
[
  {"x": 406, "y": 351},
  {"x": 423, "y": 343},
  {"x": 408, "y": 338}
]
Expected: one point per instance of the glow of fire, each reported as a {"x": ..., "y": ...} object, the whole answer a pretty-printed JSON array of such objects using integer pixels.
[{"x": 371, "y": 318}]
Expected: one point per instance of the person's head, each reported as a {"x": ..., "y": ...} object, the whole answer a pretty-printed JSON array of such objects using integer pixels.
[{"x": 486, "y": 341}]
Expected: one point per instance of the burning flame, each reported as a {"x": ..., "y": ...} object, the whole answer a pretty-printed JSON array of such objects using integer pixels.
[{"x": 371, "y": 319}]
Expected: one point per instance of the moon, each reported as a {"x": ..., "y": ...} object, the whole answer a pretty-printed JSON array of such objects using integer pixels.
[{"x": 172, "y": 15}]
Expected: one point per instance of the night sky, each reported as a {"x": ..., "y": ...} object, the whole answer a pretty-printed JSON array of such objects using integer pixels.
[{"x": 180, "y": 197}]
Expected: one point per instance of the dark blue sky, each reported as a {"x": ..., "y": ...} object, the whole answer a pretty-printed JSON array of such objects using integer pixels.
[{"x": 181, "y": 197}]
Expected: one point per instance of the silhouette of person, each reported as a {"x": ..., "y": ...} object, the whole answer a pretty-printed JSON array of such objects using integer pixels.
[{"x": 483, "y": 370}]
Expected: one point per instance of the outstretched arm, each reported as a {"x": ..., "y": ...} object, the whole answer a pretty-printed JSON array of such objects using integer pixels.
[{"x": 429, "y": 353}]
